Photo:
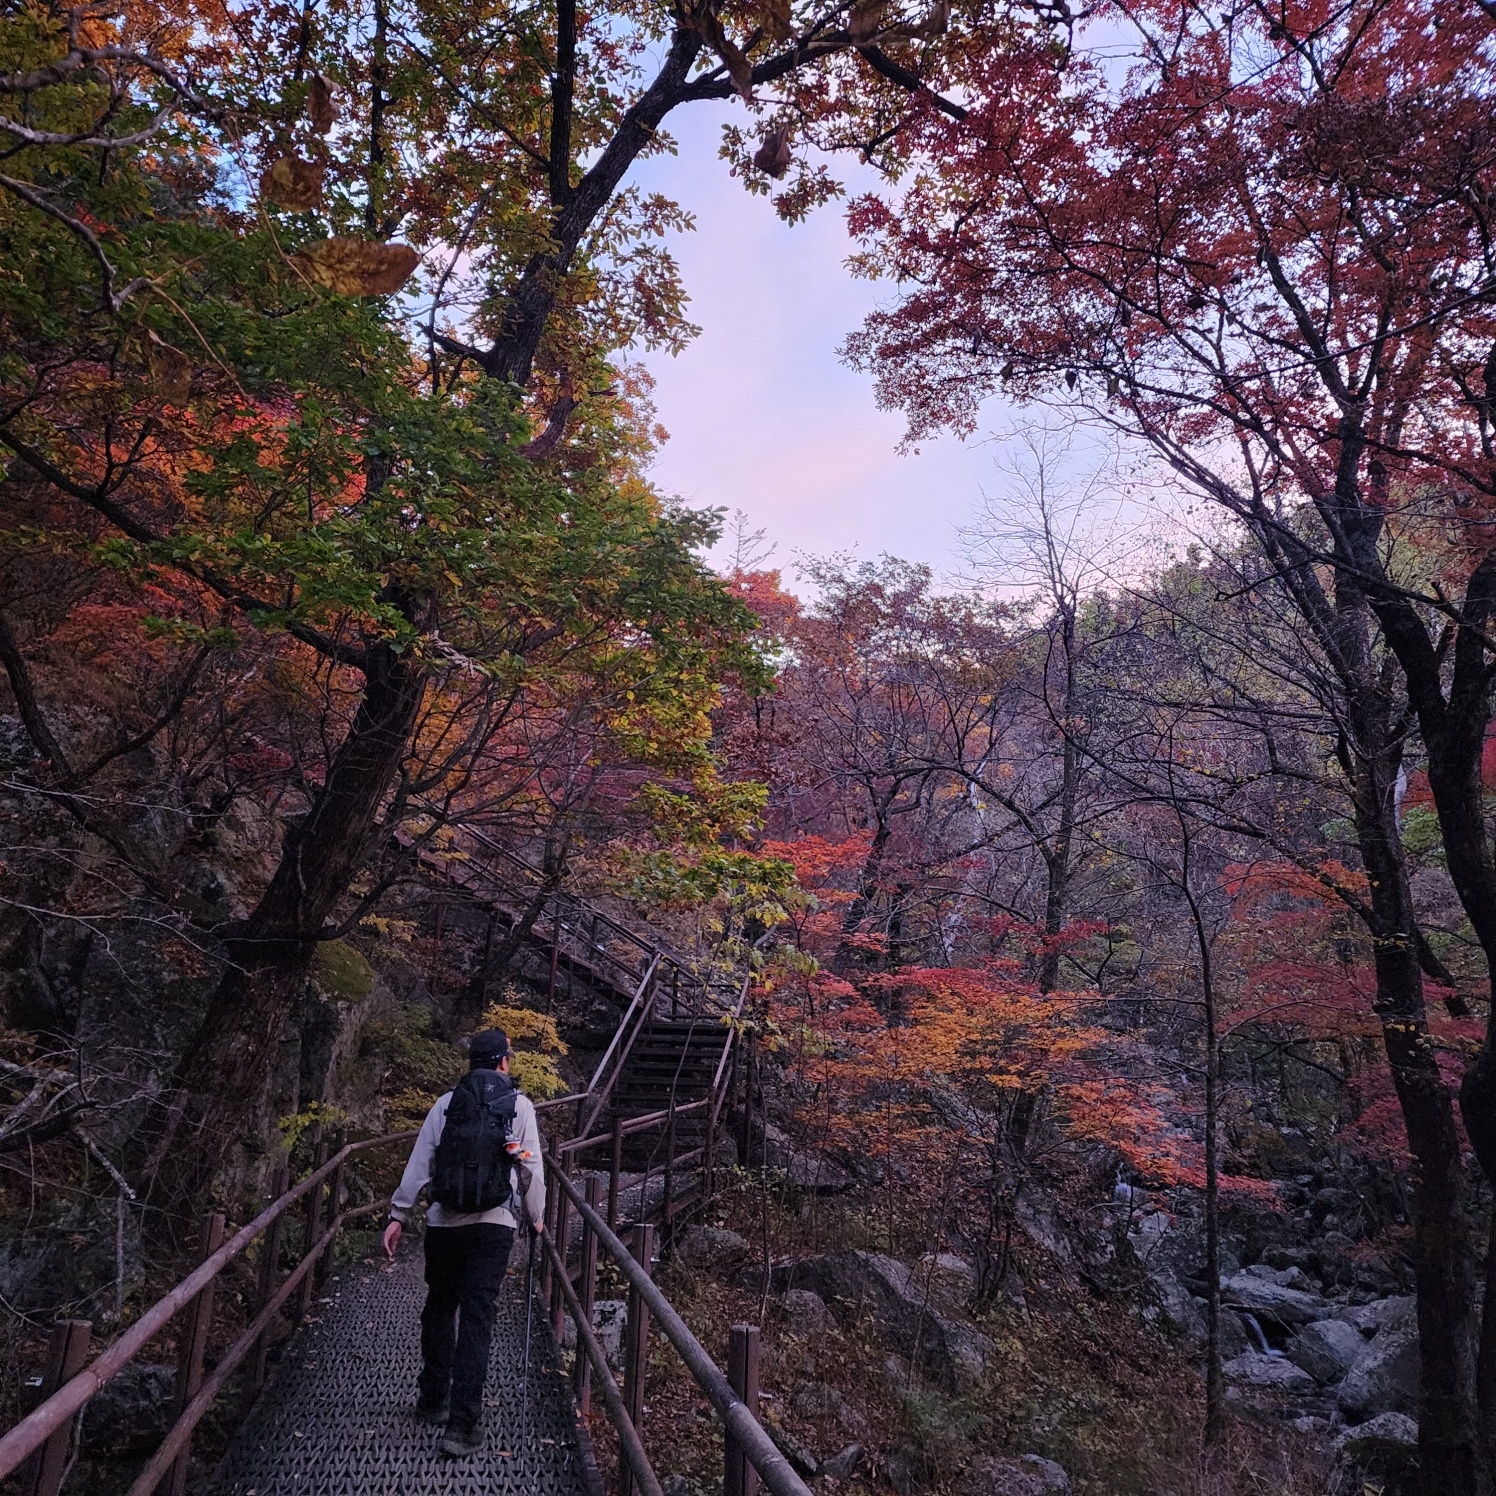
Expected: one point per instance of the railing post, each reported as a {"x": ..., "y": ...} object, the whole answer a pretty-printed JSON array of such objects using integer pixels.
[
  {"x": 582, "y": 1373},
  {"x": 714, "y": 1105},
  {"x": 193, "y": 1344},
  {"x": 313, "y": 1229},
  {"x": 669, "y": 1166},
  {"x": 636, "y": 1344},
  {"x": 67, "y": 1350},
  {"x": 614, "y": 1177},
  {"x": 563, "y": 1204},
  {"x": 334, "y": 1205},
  {"x": 552, "y": 1195},
  {"x": 270, "y": 1248},
  {"x": 740, "y": 1478}
]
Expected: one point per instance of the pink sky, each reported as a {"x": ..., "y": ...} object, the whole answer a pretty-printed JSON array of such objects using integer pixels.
[{"x": 763, "y": 415}]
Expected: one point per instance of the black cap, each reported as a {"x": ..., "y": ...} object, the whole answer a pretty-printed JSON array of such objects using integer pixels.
[{"x": 488, "y": 1047}]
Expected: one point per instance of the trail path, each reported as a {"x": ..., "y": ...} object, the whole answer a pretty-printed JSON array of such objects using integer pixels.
[{"x": 337, "y": 1420}]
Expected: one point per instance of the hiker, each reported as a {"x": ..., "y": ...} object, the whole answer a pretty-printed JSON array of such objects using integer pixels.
[{"x": 478, "y": 1157}]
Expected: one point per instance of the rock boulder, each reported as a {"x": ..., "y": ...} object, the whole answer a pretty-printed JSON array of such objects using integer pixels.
[
  {"x": 1268, "y": 1300},
  {"x": 844, "y": 1463},
  {"x": 1274, "y": 1373},
  {"x": 1384, "y": 1378},
  {"x": 805, "y": 1312},
  {"x": 1386, "y": 1433},
  {"x": 712, "y": 1250},
  {"x": 868, "y": 1284},
  {"x": 1026, "y": 1475},
  {"x": 1326, "y": 1349},
  {"x": 1380, "y": 1314}
]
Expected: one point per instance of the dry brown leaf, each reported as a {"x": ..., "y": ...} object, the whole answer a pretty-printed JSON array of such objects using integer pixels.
[
  {"x": 866, "y": 21},
  {"x": 739, "y": 69},
  {"x": 358, "y": 267},
  {"x": 774, "y": 156},
  {"x": 321, "y": 106},
  {"x": 293, "y": 183},
  {"x": 170, "y": 370},
  {"x": 936, "y": 23},
  {"x": 777, "y": 14}
]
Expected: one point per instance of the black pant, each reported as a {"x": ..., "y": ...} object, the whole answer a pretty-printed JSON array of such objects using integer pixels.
[{"x": 464, "y": 1272}]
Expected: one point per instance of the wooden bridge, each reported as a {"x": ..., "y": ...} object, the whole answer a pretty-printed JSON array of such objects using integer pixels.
[{"x": 335, "y": 1414}]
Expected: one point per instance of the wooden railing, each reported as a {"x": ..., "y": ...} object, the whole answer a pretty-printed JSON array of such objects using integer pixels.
[
  {"x": 571, "y": 925},
  {"x": 748, "y": 1450},
  {"x": 43, "y": 1435}
]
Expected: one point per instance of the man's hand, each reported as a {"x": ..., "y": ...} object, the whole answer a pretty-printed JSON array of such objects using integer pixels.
[
  {"x": 391, "y": 1239},
  {"x": 537, "y": 1227}
]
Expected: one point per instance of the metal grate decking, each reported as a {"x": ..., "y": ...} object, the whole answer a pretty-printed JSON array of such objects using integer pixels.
[{"x": 337, "y": 1420}]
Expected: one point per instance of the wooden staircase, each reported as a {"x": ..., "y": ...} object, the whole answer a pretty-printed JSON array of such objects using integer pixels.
[{"x": 672, "y": 1063}]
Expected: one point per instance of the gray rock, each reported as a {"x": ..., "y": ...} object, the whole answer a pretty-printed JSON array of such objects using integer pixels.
[
  {"x": 1275, "y": 1373},
  {"x": 1326, "y": 1349},
  {"x": 1233, "y": 1335},
  {"x": 1026, "y": 1475},
  {"x": 1387, "y": 1433},
  {"x": 1385, "y": 1377},
  {"x": 1309, "y": 1424},
  {"x": 1268, "y": 1300},
  {"x": 843, "y": 1464},
  {"x": 609, "y": 1319},
  {"x": 868, "y": 1284},
  {"x": 817, "y": 1400},
  {"x": 908, "y": 1469},
  {"x": 805, "y": 1312},
  {"x": 807, "y": 1171},
  {"x": 712, "y": 1250},
  {"x": 793, "y": 1450},
  {"x": 817, "y": 1174},
  {"x": 1379, "y": 1314},
  {"x": 131, "y": 1414},
  {"x": 1285, "y": 1277}
]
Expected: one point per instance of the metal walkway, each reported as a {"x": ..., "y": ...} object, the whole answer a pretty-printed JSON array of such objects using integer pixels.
[{"x": 337, "y": 1420}]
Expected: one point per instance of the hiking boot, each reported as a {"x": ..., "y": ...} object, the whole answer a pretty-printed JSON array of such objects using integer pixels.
[
  {"x": 460, "y": 1440},
  {"x": 431, "y": 1412}
]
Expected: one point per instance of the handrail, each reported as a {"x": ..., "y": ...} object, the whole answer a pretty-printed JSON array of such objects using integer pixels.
[
  {"x": 27, "y": 1436},
  {"x": 628, "y": 1126},
  {"x": 657, "y": 953},
  {"x": 629, "y": 1441},
  {"x": 181, "y": 1431},
  {"x": 763, "y": 1454},
  {"x": 640, "y": 1002},
  {"x": 508, "y": 854}
]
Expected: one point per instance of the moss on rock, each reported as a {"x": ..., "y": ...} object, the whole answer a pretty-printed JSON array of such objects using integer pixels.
[{"x": 341, "y": 972}]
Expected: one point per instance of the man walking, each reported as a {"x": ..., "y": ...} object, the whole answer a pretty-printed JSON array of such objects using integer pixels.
[{"x": 478, "y": 1156}]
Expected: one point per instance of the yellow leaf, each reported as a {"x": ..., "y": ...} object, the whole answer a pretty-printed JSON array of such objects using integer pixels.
[
  {"x": 293, "y": 183},
  {"x": 358, "y": 267}
]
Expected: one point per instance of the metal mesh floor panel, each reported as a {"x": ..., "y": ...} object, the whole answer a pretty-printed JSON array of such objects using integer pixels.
[{"x": 338, "y": 1418}]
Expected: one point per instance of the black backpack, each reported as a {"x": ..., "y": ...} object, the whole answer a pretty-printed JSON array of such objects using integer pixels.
[{"x": 472, "y": 1170}]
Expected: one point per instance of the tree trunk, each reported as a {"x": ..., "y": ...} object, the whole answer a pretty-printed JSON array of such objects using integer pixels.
[
  {"x": 1450, "y": 1450},
  {"x": 223, "y": 1072},
  {"x": 1454, "y": 723}
]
